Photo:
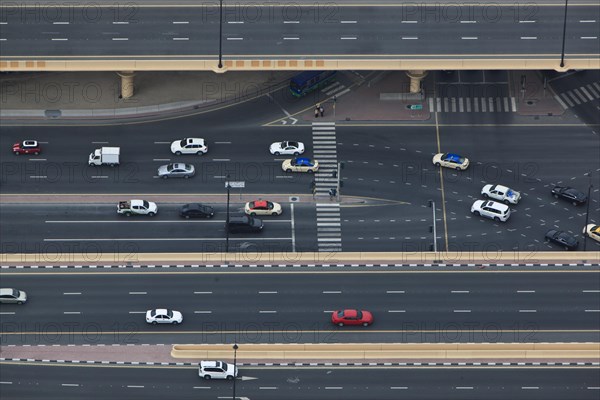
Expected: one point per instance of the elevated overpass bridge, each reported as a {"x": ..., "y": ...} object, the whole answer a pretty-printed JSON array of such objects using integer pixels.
[{"x": 381, "y": 35}]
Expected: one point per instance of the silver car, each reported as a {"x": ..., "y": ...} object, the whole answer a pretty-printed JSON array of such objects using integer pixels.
[
  {"x": 12, "y": 296},
  {"x": 176, "y": 170}
]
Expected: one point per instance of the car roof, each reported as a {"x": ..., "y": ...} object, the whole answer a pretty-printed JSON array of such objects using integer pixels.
[
  {"x": 303, "y": 160},
  {"x": 260, "y": 203},
  {"x": 209, "y": 363},
  {"x": 350, "y": 313},
  {"x": 453, "y": 156},
  {"x": 4, "y": 291},
  {"x": 194, "y": 140},
  {"x": 501, "y": 187},
  {"x": 160, "y": 311},
  {"x": 496, "y": 205}
]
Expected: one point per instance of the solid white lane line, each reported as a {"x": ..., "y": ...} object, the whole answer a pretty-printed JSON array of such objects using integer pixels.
[
  {"x": 135, "y": 386},
  {"x": 291, "y": 38},
  {"x": 37, "y": 159},
  {"x": 334, "y": 387},
  {"x": 347, "y": 22},
  {"x": 332, "y": 291},
  {"x": 70, "y": 384},
  {"x": 469, "y": 38},
  {"x": 181, "y": 38},
  {"x": 348, "y": 38},
  {"x": 60, "y": 23},
  {"x": 394, "y": 291},
  {"x": 398, "y": 387},
  {"x": 589, "y": 37},
  {"x": 590, "y": 291},
  {"x": 10, "y": 383},
  {"x": 59, "y": 39},
  {"x": 530, "y": 387},
  {"x": 7, "y": 312},
  {"x": 138, "y": 292},
  {"x": 396, "y": 311},
  {"x": 525, "y": 291},
  {"x": 137, "y": 312},
  {"x": 460, "y": 291},
  {"x": 528, "y": 37},
  {"x": 202, "y": 312},
  {"x": 71, "y": 293},
  {"x": 267, "y": 387},
  {"x": 180, "y": 22},
  {"x": 528, "y": 311},
  {"x": 163, "y": 239},
  {"x": 462, "y": 311},
  {"x": 71, "y": 312},
  {"x": 592, "y": 311},
  {"x": 202, "y": 387},
  {"x": 202, "y": 292},
  {"x": 267, "y": 312},
  {"x": 267, "y": 292},
  {"x": 464, "y": 387},
  {"x": 120, "y": 39}
]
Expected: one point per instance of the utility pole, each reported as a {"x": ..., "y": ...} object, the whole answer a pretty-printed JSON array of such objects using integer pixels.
[
  {"x": 432, "y": 205},
  {"x": 228, "y": 186},
  {"x": 587, "y": 213},
  {"x": 562, "y": 53},
  {"x": 235, "y": 347},
  {"x": 220, "y": 34}
]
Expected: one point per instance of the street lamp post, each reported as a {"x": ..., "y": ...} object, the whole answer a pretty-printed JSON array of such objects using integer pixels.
[
  {"x": 432, "y": 205},
  {"x": 220, "y": 34},
  {"x": 235, "y": 347},
  {"x": 228, "y": 186},
  {"x": 562, "y": 53},
  {"x": 587, "y": 213}
]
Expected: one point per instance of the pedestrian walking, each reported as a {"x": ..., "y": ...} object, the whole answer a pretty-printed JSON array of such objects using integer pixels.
[
  {"x": 321, "y": 110},
  {"x": 317, "y": 110},
  {"x": 332, "y": 194}
]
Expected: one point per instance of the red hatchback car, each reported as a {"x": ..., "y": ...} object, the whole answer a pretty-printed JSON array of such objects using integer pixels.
[
  {"x": 27, "y": 147},
  {"x": 352, "y": 317}
]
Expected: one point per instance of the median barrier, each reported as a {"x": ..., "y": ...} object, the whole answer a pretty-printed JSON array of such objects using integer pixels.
[
  {"x": 413, "y": 258},
  {"x": 389, "y": 351}
]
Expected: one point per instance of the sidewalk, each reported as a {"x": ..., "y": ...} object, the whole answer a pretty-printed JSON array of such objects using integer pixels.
[
  {"x": 93, "y": 95},
  {"x": 534, "y": 99},
  {"x": 364, "y": 103}
]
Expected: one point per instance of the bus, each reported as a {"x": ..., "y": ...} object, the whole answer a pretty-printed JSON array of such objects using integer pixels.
[{"x": 308, "y": 81}]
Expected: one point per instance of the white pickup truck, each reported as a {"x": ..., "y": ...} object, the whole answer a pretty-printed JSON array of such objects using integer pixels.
[
  {"x": 501, "y": 193},
  {"x": 137, "y": 207}
]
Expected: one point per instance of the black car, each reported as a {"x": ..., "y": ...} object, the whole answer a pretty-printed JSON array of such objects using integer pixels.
[
  {"x": 562, "y": 238},
  {"x": 244, "y": 224},
  {"x": 196, "y": 210},
  {"x": 568, "y": 193}
]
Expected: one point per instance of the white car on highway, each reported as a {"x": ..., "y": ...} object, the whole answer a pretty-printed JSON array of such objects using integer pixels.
[
  {"x": 592, "y": 231},
  {"x": 491, "y": 209},
  {"x": 217, "y": 370},
  {"x": 287, "y": 147},
  {"x": 189, "y": 146},
  {"x": 163, "y": 316},
  {"x": 501, "y": 193}
]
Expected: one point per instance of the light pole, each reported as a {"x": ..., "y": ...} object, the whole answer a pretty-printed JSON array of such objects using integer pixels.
[
  {"x": 587, "y": 213},
  {"x": 562, "y": 53},
  {"x": 228, "y": 186},
  {"x": 432, "y": 205},
  {"x": 220, "y": 34},
  {"x": 235, "y": 347}
]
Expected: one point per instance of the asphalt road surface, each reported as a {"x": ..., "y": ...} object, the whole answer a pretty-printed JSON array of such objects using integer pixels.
[
  {"x": 267, "y": 306},
  {"x": 328, "y": 30},
  {"x": 60, "y": 382}
]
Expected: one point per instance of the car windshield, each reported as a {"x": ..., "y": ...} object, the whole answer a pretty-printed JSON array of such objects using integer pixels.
[
  {"x": 169, "y": 313},
  {"x": 340, "y": 314},
  {"x": 170, "y": 167},
  {"x": 359, "y": 314},
  {"x": 183, "y": 142},
  {"x": 15, "y": 293},
  {"x": 146, "y": 204},
  {"x": 293, "y": 144}
]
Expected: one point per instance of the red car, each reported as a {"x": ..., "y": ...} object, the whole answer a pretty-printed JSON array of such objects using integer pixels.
[
  {"x": 352, "y": 317},
  {"x": 27, "y": 147}
]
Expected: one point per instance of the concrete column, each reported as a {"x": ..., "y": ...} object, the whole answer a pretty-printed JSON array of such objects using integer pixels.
[
  {"x": 416, "y": 76},
  {"x": 126, "y": 84}
]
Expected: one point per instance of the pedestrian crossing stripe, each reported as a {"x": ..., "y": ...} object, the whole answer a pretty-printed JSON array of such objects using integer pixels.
[
  {"x": 580, "y": 95},
  {"x": 472, "y": 104},
  {"x": 335, "y": 89}
]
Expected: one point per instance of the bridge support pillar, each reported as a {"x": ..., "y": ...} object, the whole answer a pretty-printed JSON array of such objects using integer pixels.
[
  {"x": 126, "y": 84},
  {"x": 416, "y": 76}
]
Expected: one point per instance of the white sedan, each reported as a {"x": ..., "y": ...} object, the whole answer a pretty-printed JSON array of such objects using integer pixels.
[
  {"x": 287, "y": 147},
  {"x": 163, "y": 316},
  {"x": 262, "y": 207},
  {"x": 501, "y": 193},
  {"x": 189, "y": 146},
  {"x": 593, "y": 231}
]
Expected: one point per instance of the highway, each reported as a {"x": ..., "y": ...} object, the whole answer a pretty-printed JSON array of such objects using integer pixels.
[
  {"x": 296, "y": 306},
  {"x": 402, "y": 31},
  {"x": 60, "y": 382}
]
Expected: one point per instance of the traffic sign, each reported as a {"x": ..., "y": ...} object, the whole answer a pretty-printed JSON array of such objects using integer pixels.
[{"x": 236, "y": 185}]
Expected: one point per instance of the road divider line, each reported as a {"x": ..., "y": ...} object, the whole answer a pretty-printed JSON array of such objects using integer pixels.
[
  {"x": 590, "y": 291},
  {"x": 332, "y": 291},
  {"x": 398, "y": 387},
  {"x": 7, "y": 312},
  {"x": 267, "y": 387},
  {"x": 459, "y": 291},
  {"x": 71, "y": 312},
  {"x": 527, "y": 311},
  {"x": 203, "y": 292},
  {"x": 267, "y": 312},
  {"x": 202, "y": 312},
  {"x": 137, "y": 312},
  {"x": 135, "y": 386},
  {"x": 462, "y": 311},
  {"x": 71, "y": 293},
  {"x": 134, "y": 293},
  {"x": 70, "y": 384},
  {"x": 267, "y": 292},
  {"x": 464, "y": 387},
  {"x": 525, "y": 291},
  {"x": 396, "y": 311}
]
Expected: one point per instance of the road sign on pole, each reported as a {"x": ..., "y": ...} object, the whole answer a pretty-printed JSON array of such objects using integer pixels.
[{"x": 236, "y": 185}]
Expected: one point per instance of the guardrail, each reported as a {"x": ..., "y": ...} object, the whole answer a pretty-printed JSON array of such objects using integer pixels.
[{"x": 389, "y": 351}]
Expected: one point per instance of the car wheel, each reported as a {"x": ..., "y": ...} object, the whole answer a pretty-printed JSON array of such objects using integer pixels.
[
  {"x": 288, "y": 170},
  {"x": 365, "y": 324},
  {"x": 567, "y": 248},
  {"x": 310, "y": 171},
  {"x": 154, "y": 322},
  {"x": 178, "y": 153},
  {"x": 437, "y": 164},
  {"x": 253, "y": 214},
  {"x": 274, "y": 213},
  {"x": 200, "y": 153},
  {"x": 340, "y": 324},
  {"x": 36, "y": 153},
  {"x": 19, "y": 302},
  {"x": 487, "y": 196},
  {"x": 477, "y": 213},
  {"x": 506, "y": 202},
  {"x": 556, "y": 196},
  {"x": 458, "y": 168},
  {"x": 277, "y": 153},
  {"x": 575, "y": 203},
  {"x": 186, "y": 176},
  {"x": 128, "y": 214},
  {"x": 496, "y": 219},
  {"x": 151, "y": 214},
  {"x": 296, "y": 153},
  {"x": 175, "y": 323},
  {"x": 229, "y": 377},
  {"x": 186, "y": 217},
  {"x": 207, "y": 377},
  {"x": 165, "y": 176},
  {"x": 17, "y": 153}
]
